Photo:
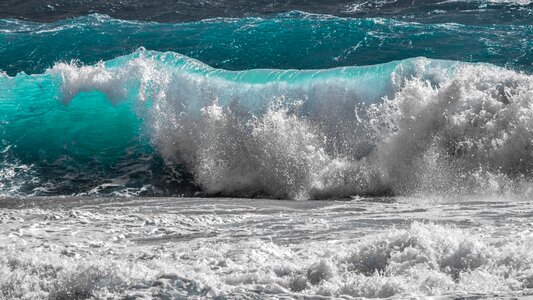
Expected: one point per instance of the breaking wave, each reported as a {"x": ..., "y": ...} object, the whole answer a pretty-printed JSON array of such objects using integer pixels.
[{"x": 163, "y": 123}]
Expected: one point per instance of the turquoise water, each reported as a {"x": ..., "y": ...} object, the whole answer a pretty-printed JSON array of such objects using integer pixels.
[{"x": 291, "y": 40}]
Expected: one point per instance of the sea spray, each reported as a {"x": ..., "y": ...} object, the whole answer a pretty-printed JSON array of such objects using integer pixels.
[{"x": 411, "y": 126}]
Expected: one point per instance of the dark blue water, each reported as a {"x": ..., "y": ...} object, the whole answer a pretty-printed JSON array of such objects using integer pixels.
[{"x": 172, "y": 11}]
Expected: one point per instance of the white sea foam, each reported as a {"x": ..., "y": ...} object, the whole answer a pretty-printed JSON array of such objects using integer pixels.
[
  {"x": 413, "y": 126},
  {"x": 153, "y": 248}
]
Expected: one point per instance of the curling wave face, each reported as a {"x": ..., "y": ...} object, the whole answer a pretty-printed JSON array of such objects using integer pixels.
[{"x": 163, "y": 123}]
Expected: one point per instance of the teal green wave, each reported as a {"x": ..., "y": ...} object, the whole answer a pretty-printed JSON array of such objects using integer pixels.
[
  {"x": 284, "y": 41},
  {"x": 147, "y": 121}
]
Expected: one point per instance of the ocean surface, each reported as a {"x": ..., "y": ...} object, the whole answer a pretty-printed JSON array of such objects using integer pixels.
[{"x": 265, "y": 149}]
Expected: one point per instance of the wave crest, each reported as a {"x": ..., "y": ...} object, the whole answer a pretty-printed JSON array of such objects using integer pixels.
[{"x": 412, "y": 126}]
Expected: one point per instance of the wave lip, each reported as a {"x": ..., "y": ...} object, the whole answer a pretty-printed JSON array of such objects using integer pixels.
[{"x": 404, "y": 127}]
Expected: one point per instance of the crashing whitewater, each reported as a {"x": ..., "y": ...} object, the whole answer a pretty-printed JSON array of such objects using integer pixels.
[
  {"x": 168, "y": 248},
  {"x": 416, "y": 126}
]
